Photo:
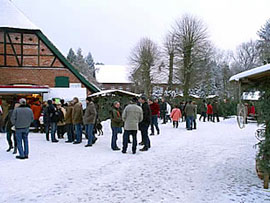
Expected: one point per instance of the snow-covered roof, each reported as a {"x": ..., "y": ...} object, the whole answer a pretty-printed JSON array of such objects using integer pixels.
[
  {"x": 252, "y": 72},
  {"x": 106, "y": 92},
  {"x": 211, "y": 96},
  {"x": 12, "y": 17}
]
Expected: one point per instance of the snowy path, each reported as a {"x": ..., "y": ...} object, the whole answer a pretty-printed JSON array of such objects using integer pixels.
[{"x": 215, "y": 163}]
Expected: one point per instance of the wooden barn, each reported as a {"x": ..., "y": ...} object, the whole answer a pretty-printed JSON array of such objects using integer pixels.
[{"x": 29, "y": 62}]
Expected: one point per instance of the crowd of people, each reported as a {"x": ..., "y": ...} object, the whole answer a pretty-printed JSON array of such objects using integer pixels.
[{"x": 56, "y": 118}]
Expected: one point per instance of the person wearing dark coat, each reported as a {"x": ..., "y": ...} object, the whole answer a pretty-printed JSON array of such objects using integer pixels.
[
  {"x": 53, "y": 119},
  {"x": 203, "y": 111},
  {"x": 144, "y": 124},
  {"x": 163, "y": 110},
  {"x": 9, "y": 131},
  {"x": 190, "y": 112},
  {"x": 89, "y": 120},
  {"x": 116, "y": 124},
  {"x": 215, "y": 111},
  {"x": 46, "y": 120}
]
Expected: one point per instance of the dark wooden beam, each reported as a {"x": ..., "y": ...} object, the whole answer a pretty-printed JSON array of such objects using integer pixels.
[{"x": 17, "y": 59}]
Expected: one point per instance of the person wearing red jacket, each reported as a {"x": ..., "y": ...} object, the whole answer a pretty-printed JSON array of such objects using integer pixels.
[
  {"x": 209, "y": 112},
  {"x": 252, "y": 110},
  {"x": 36, "y": 108},
  {"x": 154, "y": 111}
]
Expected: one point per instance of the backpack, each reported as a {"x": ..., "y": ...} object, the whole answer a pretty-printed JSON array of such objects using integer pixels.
[{"x": 60, "y": 115}]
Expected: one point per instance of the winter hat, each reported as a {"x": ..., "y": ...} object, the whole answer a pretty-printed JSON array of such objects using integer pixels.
[
  {"x": 22, "y": 101},
  {"x": 89, "y": 99},
  {"x": 134, "y": 99},
  {"x": 143, "y": 98}
]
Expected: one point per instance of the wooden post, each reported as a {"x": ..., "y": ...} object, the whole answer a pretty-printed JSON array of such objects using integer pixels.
[{"x": 265, "y": 180}]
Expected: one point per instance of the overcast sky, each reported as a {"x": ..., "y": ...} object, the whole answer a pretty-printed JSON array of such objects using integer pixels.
[{"x": 109, "y": 29}]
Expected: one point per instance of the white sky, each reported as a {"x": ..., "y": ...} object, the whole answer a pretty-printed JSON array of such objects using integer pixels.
[{"x": 109, "y": 29}]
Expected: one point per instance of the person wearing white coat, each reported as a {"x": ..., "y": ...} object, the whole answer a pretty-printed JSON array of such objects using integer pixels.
[{"x": 168, "y": 112}]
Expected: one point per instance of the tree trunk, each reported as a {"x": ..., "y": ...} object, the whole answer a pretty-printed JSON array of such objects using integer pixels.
[
  {"x": 187, "y": 72},
  {"x": 170, "y": 81}
]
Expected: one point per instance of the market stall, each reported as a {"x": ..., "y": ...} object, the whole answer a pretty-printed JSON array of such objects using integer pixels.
[{"x": 258, "y": 79}]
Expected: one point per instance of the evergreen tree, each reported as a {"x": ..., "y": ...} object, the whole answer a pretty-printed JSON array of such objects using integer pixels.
[
  {"x": 91, "y": 64},
  {"x": 80, "y": 63},
  {"x": 71, "y": 57},
  {"x": 264, "y": 42}
]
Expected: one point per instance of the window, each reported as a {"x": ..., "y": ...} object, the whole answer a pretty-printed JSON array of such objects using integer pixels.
[{"x": 61, "y": 81}]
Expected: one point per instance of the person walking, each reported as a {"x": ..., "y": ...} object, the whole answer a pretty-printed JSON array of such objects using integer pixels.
[
  {"x": 215, "y": 111},
  {"x": 203, "y": 111},
  {"x": 190, "y": 111},
  {"x": 131, "y": 116},
  {"x": 77, "y": 120},
  {"x": 22, "y": 117},
  {"x": 154, "y": 118},
  {"x": 89, "y": 120},
  {"x": 175, "y": 116},
  {"x": 116, "y": 124},
  {"x": 144, "y": 124},
  {"x": 69, "y": 125},
  {"x": 163, "y": 110},
  {"x": 53, "y": 119}
]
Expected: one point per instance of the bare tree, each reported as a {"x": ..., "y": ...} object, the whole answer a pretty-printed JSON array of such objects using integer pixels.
[
  {"x": 247, "y": 56},
  {"x": 191, "y": 36},
  {"x": 143, "y": 59},
  {"x": 170, "y": 46}
]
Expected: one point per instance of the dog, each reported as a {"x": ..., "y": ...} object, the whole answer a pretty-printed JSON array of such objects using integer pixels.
[{"x": 98, "y": 128}]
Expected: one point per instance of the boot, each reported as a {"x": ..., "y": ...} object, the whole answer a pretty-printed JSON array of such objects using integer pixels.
[
  {"x": 10, "y": 147},
  {"x": 144, "y": 149},
  {"x": 47, "y": 137},
  {"x": 15, "y": 150}
]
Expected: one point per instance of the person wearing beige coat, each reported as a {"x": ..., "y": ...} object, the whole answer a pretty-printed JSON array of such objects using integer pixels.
[
  {"x": 131, "y": 116},
  {"x": 77, "y": 120}
]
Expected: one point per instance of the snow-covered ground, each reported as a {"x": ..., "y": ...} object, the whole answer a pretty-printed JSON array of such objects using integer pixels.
[{"x": 215, "y": 163}]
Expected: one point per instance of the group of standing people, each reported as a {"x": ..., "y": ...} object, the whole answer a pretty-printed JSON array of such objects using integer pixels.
[
  {"x": 136, "y": 116},
  {"x": 70, "y": 118},
  {"x": 60, "y": 117},
  {"x": 210, "y": 111}
]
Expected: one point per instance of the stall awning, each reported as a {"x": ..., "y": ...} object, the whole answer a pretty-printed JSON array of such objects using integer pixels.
[
  {"x": 20, "y": 89},
  {"x": 253, "y": 74}
]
